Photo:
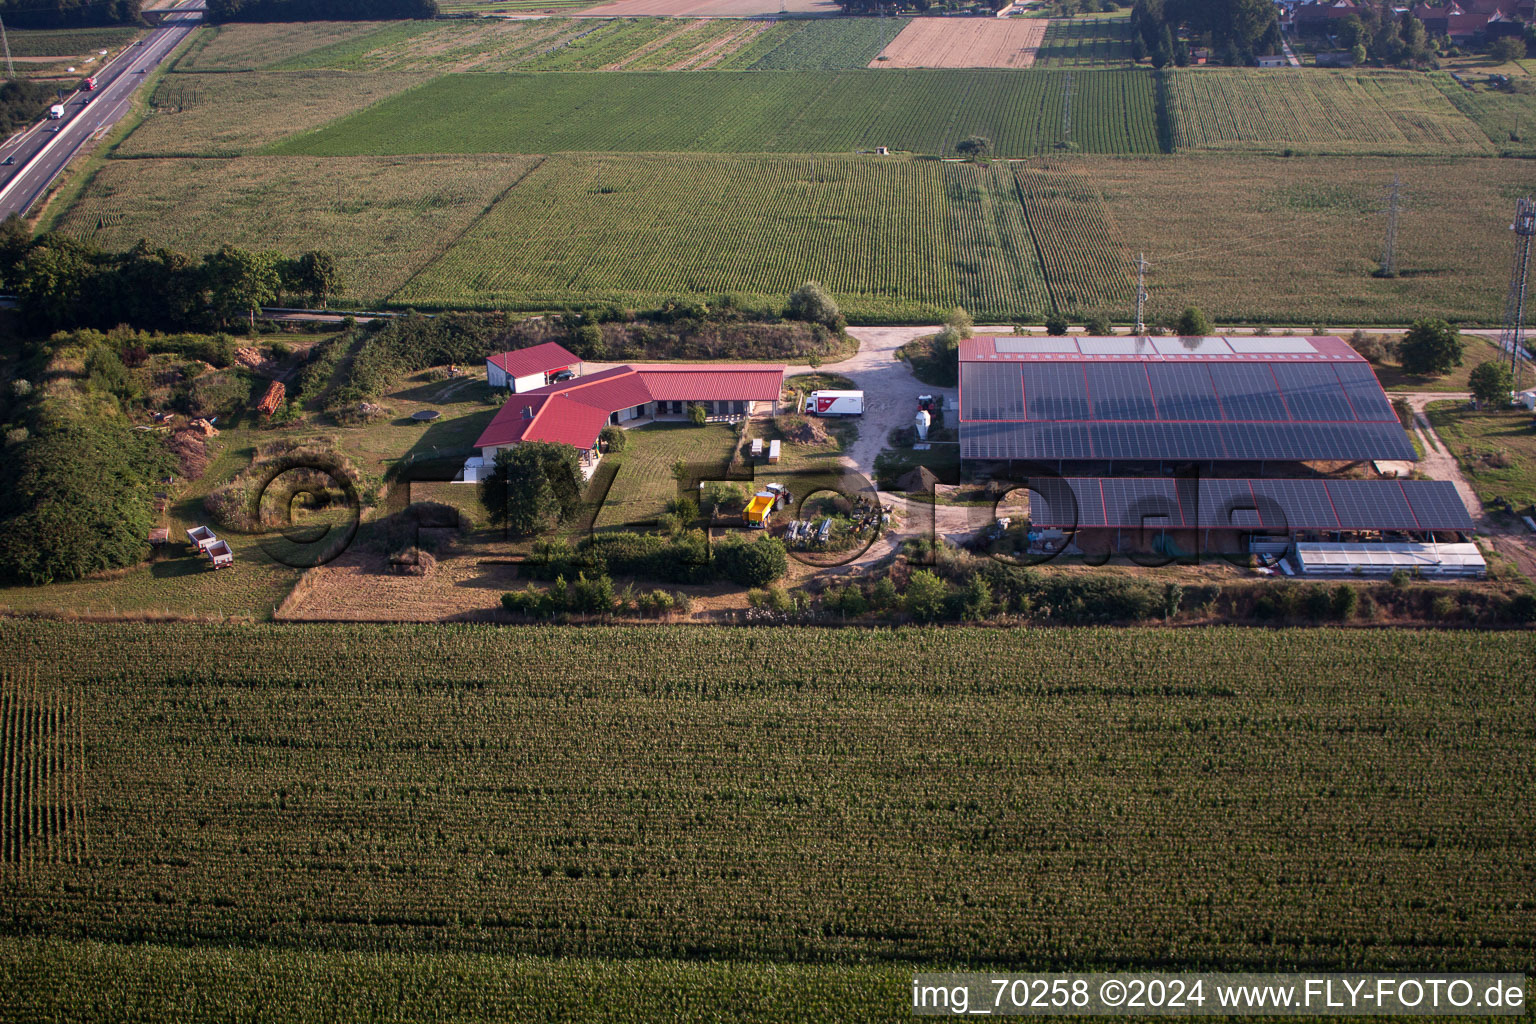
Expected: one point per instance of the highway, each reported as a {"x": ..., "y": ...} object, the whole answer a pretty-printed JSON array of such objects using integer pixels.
[{"x": 30, "y": 162}]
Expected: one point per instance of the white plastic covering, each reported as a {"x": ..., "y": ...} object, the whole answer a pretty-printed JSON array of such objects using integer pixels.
[{"x": 1341, "y": 559}]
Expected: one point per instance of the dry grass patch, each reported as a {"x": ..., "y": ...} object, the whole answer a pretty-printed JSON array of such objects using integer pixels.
[
  {"x": 1296, "y": 240},
  {"x": 964, "y": 43},
  {"x": 234, "y": 114},
  {"x": 254, "y": 46},
  {"x": 384, "y": 218}
]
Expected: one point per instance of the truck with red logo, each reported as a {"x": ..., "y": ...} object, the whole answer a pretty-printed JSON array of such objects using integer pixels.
[
  {"x": 835, "y": 403},
  {"x": 90, "y": 85}
]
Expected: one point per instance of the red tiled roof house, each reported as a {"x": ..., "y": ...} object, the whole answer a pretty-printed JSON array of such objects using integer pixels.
[{"x": 575, "y": 411}]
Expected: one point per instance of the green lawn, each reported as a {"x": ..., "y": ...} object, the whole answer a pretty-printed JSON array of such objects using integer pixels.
[
  {"x": 1478, "y": 350},
  {"x": 645, "y": 481},
  {"x": 1496, "y": 449}
]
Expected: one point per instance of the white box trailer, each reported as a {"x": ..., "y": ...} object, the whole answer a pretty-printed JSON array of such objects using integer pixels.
[
  {"x": 835, "y": 403},
  {"x": 56, "y": 112}
]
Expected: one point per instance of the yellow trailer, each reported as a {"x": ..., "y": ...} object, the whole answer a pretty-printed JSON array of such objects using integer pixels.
[{"x": 759, "y": 509}]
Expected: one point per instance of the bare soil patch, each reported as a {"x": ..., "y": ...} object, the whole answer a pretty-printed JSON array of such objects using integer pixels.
[
  {"x": 722, "y": 48},
  {"x": 707, "y": 8},
  {"x": 964, "y": 43},
  {"x": 359, "y": 587}
]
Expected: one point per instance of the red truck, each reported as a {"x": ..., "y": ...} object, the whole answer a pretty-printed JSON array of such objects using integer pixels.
[{"x": 90, "y": 85}]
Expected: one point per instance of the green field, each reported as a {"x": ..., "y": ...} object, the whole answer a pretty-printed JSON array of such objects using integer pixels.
[
  {"x": 1296, "y": 240},
  {"x": 1272, "y": 239},
  {"x": 546, "y": 44},
  {"x": 1495, "y": 447},
  {"x": 917, "y": 110},
  {"x": 68, "y": 42},
  {"x": 891, "y": 238},
  {"x": 1130, "y": 796},
  {"x": 1086, "y": 43},
  {"x": 230, "y": 114},
  {"x": 261, "y": 45},
  {"x": 1316, "y": 112},
  {"x": 384, "y": 218},
  {"x": 105, "y": 983},
  {"x": 816, "y": 44},
  {"x": 1508, "y": 118}
]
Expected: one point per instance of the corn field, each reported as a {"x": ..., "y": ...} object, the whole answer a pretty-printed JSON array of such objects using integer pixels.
[
  {"x": 921, "y": 111},
  {"x": 1244, "y": 797},
  {"x": 1316, "y": 112},
  {"x": 890, "y": 238}
]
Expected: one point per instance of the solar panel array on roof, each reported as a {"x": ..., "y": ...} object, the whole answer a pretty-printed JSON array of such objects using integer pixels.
[
  {"x": 1373, "y": 504},
  {"x": 1273, "y": 505},
  {"x": 1172, "y": 410},
  {"x": 1436, "y": 505},
  {"x": 988, "y": 395},
  {"x": 1312, "y": 391}
]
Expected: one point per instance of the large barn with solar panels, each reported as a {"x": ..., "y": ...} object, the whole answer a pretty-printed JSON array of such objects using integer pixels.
[
  {"x": 1225, "y": 413},
  {"x": 1153, "y": 399}
]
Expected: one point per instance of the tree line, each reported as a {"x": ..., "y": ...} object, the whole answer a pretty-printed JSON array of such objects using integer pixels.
[
  {"x": 61, "y": 282},
  {"x": 1237, "y": 31},
  {"x": 22, "y": 102},
  {"x": 69, "y": 13},
  {"x": 75, "y": 477},
  {"x": 319, "y": 10}
]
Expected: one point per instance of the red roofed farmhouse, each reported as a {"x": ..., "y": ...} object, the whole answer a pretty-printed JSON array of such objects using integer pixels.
[{"x": 575, "y": 411}]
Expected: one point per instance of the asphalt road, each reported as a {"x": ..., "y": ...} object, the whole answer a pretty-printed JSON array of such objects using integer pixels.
[{"x": 44, "y": 150}]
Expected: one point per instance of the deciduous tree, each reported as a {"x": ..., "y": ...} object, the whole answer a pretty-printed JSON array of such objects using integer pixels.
[{"x": 1431, "y": 348}]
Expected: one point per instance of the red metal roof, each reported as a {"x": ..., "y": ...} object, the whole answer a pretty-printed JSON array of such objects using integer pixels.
[
  {"x": 574, "y": 412},
  {"x": 544, "y": 418},
  {"x": 609, "y": 390},
  {"x": 702, "y": 383},
  {"x": 525, "y": 362}
]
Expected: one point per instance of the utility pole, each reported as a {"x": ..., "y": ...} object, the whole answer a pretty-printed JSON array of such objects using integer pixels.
[
  {"x": 1389, "y": 250},
  {"x": 1141, "y": 293},
  {"x": 10, "y": 68},
  {"x": 1513, "y": 336}
]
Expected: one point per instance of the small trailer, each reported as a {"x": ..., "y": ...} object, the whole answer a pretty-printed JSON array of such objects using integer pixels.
[
  {"x": 202, "y": 538},
  {"x": 220, "y": 555},
  {"x": 757, "y": 447},
  {"x": 759, "y": 509},
  {"x": 835, "y": 403},
  {"x": 774, "y": 453}
]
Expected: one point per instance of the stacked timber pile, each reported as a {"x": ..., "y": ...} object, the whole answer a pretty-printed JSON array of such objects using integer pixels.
[{"x": 270, "y": 402}]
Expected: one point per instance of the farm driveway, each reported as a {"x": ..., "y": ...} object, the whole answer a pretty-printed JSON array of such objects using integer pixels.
[{"x": 890, "y": 390}]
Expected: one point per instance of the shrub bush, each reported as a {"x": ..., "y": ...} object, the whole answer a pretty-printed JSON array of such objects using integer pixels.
[{"x": 752, "y": 563}]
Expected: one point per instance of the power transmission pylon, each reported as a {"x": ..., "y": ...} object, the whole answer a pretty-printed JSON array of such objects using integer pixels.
[
  {"x": 10, "y": 69},
  {"x": 1389, "y": 250},
  {"x": 1511, "y": 339},
  {"x": 1141, "y": 293}
]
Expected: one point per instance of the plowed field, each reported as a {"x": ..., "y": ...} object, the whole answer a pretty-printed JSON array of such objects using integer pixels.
[{"x": 964, "y": 43}]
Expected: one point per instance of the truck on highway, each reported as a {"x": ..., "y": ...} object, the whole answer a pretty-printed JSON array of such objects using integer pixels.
[
  {"x": 56, "y": 112},
  {"x": 835, "y": 403},
  {"x": 90, "y": 85}
]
